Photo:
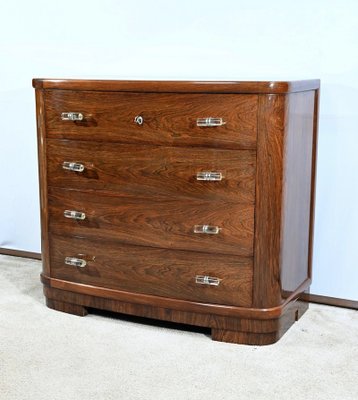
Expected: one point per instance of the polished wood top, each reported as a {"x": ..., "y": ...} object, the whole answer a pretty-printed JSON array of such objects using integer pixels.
[{"x": 274, "y": 87}]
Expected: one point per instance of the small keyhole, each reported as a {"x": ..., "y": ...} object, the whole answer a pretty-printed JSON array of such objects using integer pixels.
[{"x": 139, "y": 120}]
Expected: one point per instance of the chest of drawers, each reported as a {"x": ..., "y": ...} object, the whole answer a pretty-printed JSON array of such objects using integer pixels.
[{"x": 191, "y": 202}]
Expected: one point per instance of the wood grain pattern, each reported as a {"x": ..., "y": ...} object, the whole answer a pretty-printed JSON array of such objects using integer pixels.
[
  {"x": 283, "y": 196},
  {"x": 41, "y": 149},
  {"x": 292, "y": 314},
  {"x": 296, "y": 200},
  {"x": 173, "y": 304},
  {"x": 269, "y": 87},
  {"x": 153, "y": 170},
  {"x": 153, "y": 271},
  {"x": 69, "y": 308},
  {"x": 169, "y": 119},
  {"x": 307, "y": 297},
  {"x": 154, "y": 222},
  {"x": 141, "y": 200},
  {"x": 269, "y": 177},
  {"x": 224, "y": 328}
]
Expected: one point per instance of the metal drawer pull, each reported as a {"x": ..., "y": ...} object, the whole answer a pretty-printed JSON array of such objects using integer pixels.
[
  {"x": 209, "y": 176},
  {"x": 71, "y": 116},
  {"x": 207, "y": 280},
  {"x": 74, "y": 214},
  {"x": 210, "y": 230},
  {"x": 72, "y": 166},
  {"x": 76, "y": 262},
  {"x": 210, "y": 121}
]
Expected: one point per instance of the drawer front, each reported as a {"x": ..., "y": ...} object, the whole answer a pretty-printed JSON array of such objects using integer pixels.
[
  {"x": 166, "y": 119},
  {"x": 154, "y": 222},
  {"x": 175, "y": 274},
  {"x": 154, "y": 170}
]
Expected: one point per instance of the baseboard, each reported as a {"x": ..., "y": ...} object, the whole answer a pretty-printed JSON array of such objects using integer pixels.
[
  {"x": 312, "y": 298},
  {"x": 20, "y": 253},
  {"x": 330, "y": 301}
]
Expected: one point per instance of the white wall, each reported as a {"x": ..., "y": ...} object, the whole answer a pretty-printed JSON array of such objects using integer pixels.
[{"x": 181, "y": 39}]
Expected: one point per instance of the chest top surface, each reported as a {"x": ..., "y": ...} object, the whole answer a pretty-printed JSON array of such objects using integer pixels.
[{"x": 269, "y": 87}]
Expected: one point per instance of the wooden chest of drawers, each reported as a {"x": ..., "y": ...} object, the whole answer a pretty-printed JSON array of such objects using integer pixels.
[{"x": 189, "y": 202}]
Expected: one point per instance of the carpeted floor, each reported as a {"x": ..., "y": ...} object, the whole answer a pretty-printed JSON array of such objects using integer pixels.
[{"x": 46, "y": 354}]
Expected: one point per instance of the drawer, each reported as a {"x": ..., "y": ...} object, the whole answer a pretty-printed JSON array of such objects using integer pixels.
[
  {"x": 154, "y": 222},
  {"x": 167, "y": 118},
  {"x": 160, "y": 272},
  {"x": 154, "y": 170}
]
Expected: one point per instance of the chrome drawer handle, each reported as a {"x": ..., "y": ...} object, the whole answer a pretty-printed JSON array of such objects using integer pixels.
[
  {"x": 210, "y": 230},
  {"x": 210, "y": 122},
  {"x": 207, "y": 280},
  {"x": 74, "y": 214},
  {"x": 71, "y": 116},
  {"x": 209, "y": 176},
  {"x": 72, "y": 166},
  {"x": 76, "y": 262}
]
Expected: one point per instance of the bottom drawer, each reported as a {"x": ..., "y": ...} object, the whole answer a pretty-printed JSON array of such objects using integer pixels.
[{"x": 187, "y": 275}]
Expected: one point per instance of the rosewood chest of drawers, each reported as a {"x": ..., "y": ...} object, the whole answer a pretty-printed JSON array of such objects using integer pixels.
[{"x": 190, "y": 202}]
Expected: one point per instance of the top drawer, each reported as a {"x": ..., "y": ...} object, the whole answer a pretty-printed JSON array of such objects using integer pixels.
[{"x": 212, "y": 120}]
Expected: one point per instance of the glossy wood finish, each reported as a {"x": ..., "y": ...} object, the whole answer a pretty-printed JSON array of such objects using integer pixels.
[
  {"x": 260, "y": 331},
  {"x": 69, "y": 308},
  {"x": 296, "y": 196},
  {"x": 260, "y": 87},
  {"x": 158, "y": 171},
  {"x": 307, "y": 297},
  {"x": 153, "y": 222},
  {"x": 174, "y": 304},
  {"x": 42, "y": 157},
  {"x": 271, "y": 122},
  {"x": 283, "y": 195},
  {"x": 293, "y": 313},
  {"x": 169, "y": 119},
  {"x": 141, "y": 200},
  {"x": 153, "y": 271}
]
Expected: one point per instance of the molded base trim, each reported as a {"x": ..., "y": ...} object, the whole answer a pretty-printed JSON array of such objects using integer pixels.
[
  {"x": 66, "y": 307},
  {"x": 224, "y": 328}
]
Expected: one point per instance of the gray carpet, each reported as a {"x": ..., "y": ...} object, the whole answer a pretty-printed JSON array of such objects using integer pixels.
[{"x": 46, "y": 354}]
